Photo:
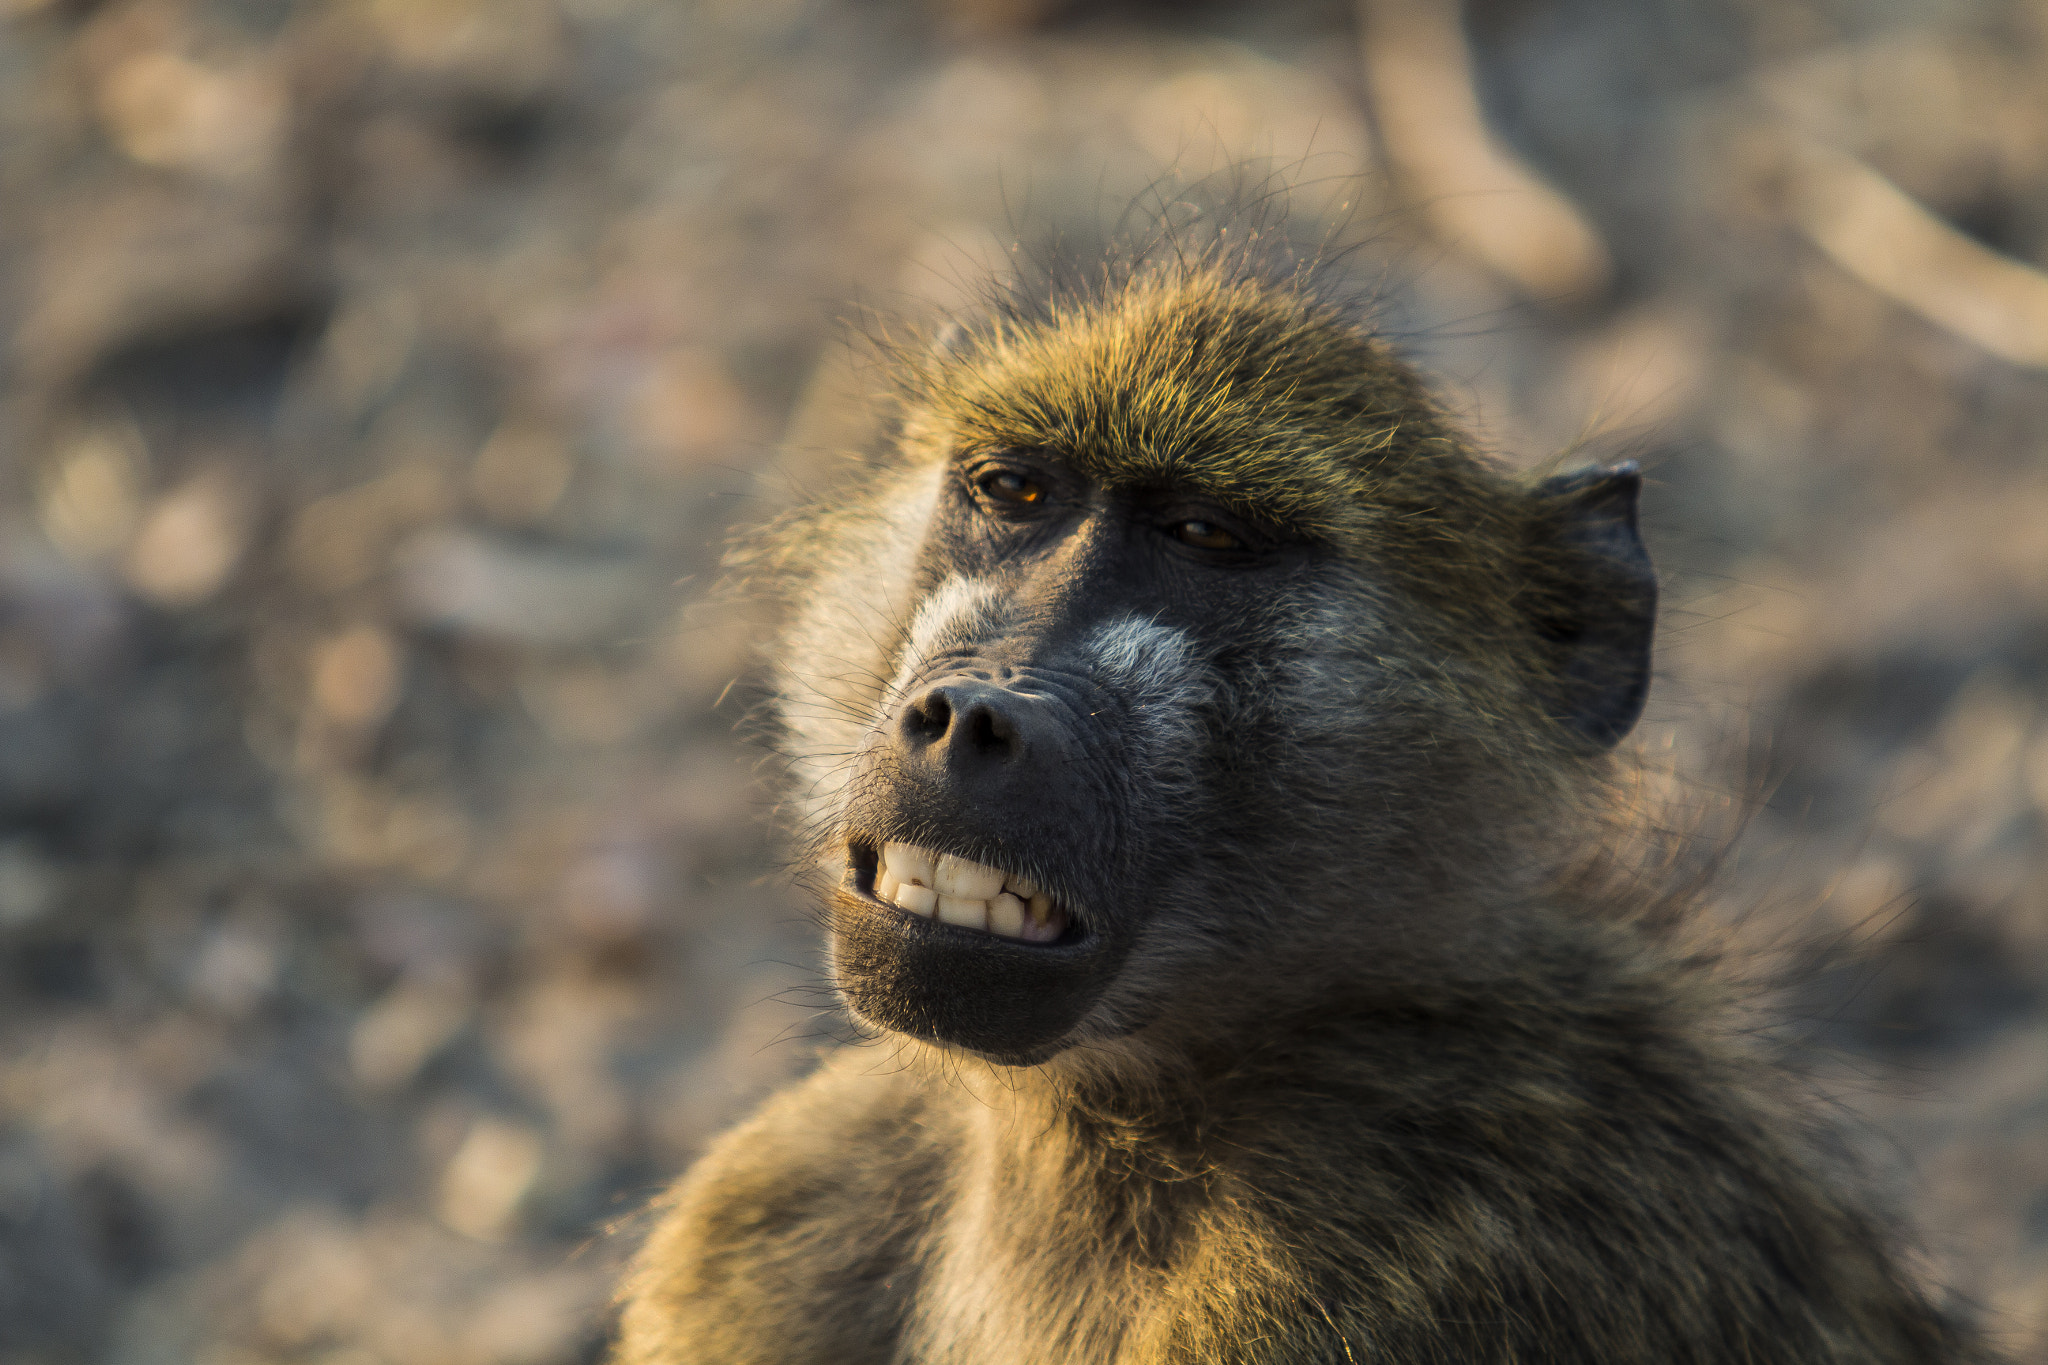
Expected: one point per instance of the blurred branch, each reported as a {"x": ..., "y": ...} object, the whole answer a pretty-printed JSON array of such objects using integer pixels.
[
  {"x": 1478, "y": 195},
  {"x": 1873, "y": 230}
]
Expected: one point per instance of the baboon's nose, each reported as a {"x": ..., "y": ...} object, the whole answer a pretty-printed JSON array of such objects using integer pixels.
[{"x": 972, "y": 727}]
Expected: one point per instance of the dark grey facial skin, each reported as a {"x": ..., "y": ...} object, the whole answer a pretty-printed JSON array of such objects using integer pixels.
[
  {"x": 1021, "y": 749},
  {"x": 1029, "y": 743}
]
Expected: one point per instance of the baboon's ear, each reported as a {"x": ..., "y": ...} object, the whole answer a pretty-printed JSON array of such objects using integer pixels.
[{"x": 1602, "y": 608}]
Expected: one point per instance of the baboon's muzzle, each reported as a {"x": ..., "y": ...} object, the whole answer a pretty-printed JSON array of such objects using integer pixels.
[
  {"x": 973, "y": 908},
  {"x": 981, "y": 743}
]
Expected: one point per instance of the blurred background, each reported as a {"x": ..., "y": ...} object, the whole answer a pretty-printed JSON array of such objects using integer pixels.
[{"x": 387, "y": 905}]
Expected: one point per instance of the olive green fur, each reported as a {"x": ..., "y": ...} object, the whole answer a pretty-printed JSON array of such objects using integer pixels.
[
  {"x": 1577, "y": 1165},
  {"x": 1557, "y": 1137}
]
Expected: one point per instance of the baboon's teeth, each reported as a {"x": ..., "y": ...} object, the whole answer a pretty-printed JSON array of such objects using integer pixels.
[
  {"x": 968, "y": 914},
  {"x": 956, "y": 890},
  {"x": 1006, "y": 916},
  {"x": 918, "y": 900},
  {"x": 967, "y": 880},
  {"x": 909, "y": 863}
]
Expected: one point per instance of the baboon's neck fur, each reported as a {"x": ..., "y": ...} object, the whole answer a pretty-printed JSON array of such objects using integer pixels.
[
  {"x": 1579, "y": 1165},
  {"x": 1572, "y": 975}
]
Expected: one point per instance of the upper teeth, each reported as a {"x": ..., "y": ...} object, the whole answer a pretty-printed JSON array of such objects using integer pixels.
[{"x": 960, "y": 891}]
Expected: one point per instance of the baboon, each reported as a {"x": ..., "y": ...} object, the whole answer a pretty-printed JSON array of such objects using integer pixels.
[{"x": 1210, "y": 755}]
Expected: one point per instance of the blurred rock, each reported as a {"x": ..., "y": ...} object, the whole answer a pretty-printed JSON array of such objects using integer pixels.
[
  {"x": 188, "y": 540},
  {"x": 91, "y": 494},
  {"x": 237, "y": 968},
  {"x": 521, "y": 473},
  {"x": 609, "y": 895},
  {"x": 402, "y": 1031},
  {"x": 343, "y": 540},
  {"x": 166, "y": 110},
  {"x": 29, "y": 885},
  {"x": 470, "y": 583},
  {"x": 488, "y": 1177},
  {"x": 356, "y": 676}
]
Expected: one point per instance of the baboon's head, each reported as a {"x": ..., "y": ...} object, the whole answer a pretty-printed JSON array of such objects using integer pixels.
[{"x": 1180, "y": 650}]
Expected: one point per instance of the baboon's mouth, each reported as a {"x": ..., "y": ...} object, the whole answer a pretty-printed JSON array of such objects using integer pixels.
[
  {"x": 956, "y": 891},
  {"x": 962, "y": 953}
]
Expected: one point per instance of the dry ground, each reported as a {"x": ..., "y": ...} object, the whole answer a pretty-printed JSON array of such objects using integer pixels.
[{"x": 386, "y": 903}]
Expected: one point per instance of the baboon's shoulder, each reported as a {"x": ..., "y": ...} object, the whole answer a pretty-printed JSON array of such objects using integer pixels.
[
  {"x": 792, "y": 1239},
  {"x": 1581, "y": 1161}
]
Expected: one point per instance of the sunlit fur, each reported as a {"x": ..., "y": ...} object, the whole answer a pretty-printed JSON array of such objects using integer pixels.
[{"x": 1406, "y": 1069}]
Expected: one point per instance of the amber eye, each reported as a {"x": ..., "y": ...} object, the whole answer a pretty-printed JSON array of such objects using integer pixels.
[
  {"x": 1205, "y": 535},
  {"x": 1007, "y": 485}
]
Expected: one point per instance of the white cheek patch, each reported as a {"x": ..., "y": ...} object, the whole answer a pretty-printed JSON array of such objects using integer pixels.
[
  {"x": 1155, "y": 671},
  {"x": 1141, "y": 657}
]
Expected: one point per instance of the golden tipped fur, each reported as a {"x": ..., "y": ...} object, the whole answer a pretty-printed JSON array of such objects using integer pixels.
[{"x": 1556, "y": 1146}]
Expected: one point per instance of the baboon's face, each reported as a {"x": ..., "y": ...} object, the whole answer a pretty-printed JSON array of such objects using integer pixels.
[
  {"x": 1130, "y": 742},
  {"x": 1043, "y": 781},
  {"x": 1103, "y": 749}
]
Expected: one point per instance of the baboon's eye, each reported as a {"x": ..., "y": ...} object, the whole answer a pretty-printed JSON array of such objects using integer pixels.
[
  {"x": 1204, "y": 535},
  {"x": 1007, "y": 485}
]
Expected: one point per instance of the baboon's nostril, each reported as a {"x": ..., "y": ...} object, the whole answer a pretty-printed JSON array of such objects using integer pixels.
[
  {"x": 966, "y": 721},
  {"x": 929, "y": 717},
  {"x": 990, "y": 732}
]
